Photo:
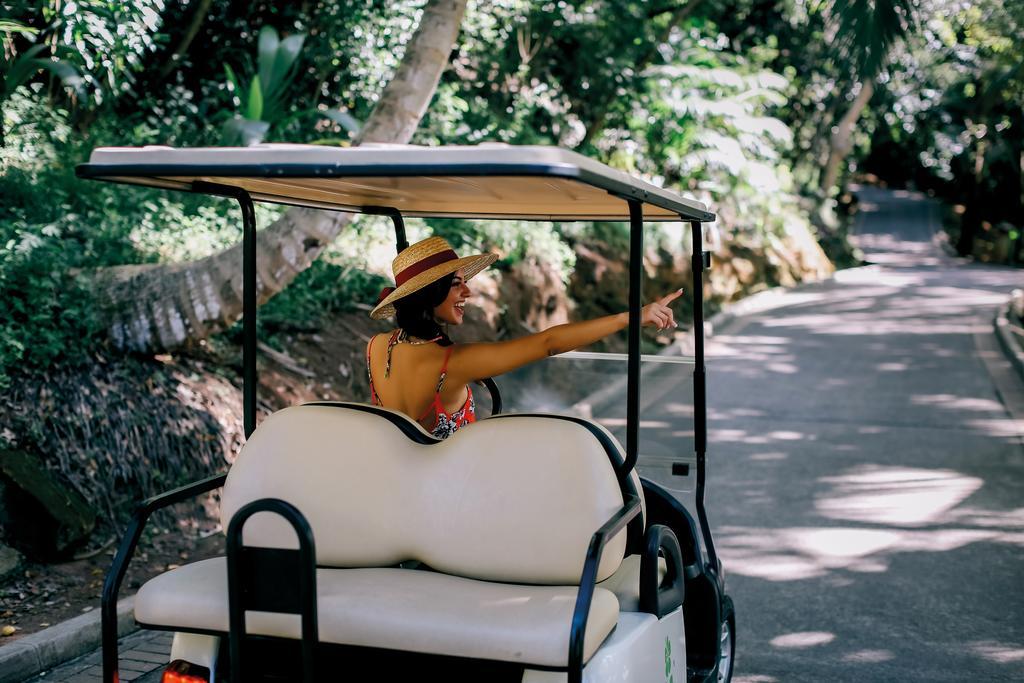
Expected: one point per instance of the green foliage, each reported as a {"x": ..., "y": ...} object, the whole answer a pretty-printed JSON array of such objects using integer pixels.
[
  {"x": 16, "y": 69},
  {"x": 869, "y": 29},
  {"x": 514, "y": 241},
  {"x": 261, "y": 104},
  {"x": 47, "y": 315},
  {"x": 688, "y": 94},
  {"x": 712, "y": 125},
  {"x": 320, "y": 290},
  {"x": 952, "y": 119},
  {"x": 108, "y": 41},
  {"x": 55, "y": 229}
]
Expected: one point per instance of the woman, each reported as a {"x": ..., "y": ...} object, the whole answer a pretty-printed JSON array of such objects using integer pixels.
[{"x": 416, "y": 369}]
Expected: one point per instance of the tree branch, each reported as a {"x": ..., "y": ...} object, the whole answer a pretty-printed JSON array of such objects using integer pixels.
[{"x": 198, "y": 17}]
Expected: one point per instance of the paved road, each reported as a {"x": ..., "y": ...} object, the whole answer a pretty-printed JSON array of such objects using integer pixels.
[{"x": 868, "y": 469}]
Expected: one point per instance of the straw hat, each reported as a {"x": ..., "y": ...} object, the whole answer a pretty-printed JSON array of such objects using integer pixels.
[{"x": 419, "y": 264}]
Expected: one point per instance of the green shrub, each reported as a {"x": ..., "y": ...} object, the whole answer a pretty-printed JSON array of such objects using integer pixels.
[
  {"x": 55, "y": 229},
  {"x": 321, "y": 289}
]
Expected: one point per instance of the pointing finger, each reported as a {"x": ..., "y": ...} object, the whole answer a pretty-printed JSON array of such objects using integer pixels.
[{"x": 669, "y": 298}]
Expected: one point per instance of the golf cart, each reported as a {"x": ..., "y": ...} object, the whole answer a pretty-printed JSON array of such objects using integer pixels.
[{"x": 524, "y": 548}]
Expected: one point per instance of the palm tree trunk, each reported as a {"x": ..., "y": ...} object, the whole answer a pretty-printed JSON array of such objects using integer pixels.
[
  {"x": 407, "y": 95},
  {"x": 162, "y": 307},
  {"x": 842, "y": 137}
]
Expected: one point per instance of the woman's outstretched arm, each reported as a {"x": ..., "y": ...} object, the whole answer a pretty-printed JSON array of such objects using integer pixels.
[{"x": 471, "y": 362}]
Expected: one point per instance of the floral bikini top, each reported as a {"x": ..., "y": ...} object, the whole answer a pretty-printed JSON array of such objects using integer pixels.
[{"x": 445, "y": 424}]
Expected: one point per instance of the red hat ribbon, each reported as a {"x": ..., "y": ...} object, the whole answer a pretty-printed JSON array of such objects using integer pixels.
[{"x": 425, "y": 264}]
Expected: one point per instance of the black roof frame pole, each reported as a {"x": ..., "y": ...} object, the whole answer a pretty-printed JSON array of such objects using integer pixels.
[
  {"x": 636, "y": 263},
  {"x": 700, "y": 407},
  {"x": 401, "y": 242},
  {"x": 249, "y": 287}
]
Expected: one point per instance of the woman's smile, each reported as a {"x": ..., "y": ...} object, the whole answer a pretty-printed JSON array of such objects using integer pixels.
[{"x": 453, "y": 309}]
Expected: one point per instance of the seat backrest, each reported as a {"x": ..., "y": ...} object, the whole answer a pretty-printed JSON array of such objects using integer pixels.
[{"x": 515, "y": 499}]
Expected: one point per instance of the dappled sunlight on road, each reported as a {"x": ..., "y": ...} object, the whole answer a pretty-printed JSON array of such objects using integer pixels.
[
  {"x": 725, "y": 413},
  {"x": 751, "y": 348},
  {"x": 944, "y": 297},
  {"x": 857, "y": 304},
  {"x": 875, "y": 324},
  {"x": 679, "y": 409},
  {"x": 997, "y": 423},
  {"x": 884, "y": 281},
  {"x": 906, "y": 510},
  {"x": 613, "y": 422},
  {"x": 936, "y": 350},
  {"x": 995, "y": 652},
  {"x": 804, "y": 639},
  {"x": 1000, "y": 428},
  {"x": 957, "y": 402},
  {"x": 870, "y": 514},
  {"x": 891, "y": 304},
  {"x": 894, "y": 495},
  {"x": 777, "y": 455},
  {"x": 899, "y": 254},
  {"x": 869, "y": 657},
  {"x": 1011, "y": 519},
  {"x": 801, "y": 553},
  {"x": 724, "y": 436}
]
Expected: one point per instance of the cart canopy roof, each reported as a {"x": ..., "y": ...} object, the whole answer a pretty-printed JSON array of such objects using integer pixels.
[{"x": 484, "y": 181}]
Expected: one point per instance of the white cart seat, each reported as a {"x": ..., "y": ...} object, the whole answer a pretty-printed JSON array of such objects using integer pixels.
[
  {"x": 401, "y": 609},
  {"x": 505, "y": 508},
  {"x": 514, "y": 499}
]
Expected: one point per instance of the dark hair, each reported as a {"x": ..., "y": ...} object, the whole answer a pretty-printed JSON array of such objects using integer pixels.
[{"x": 415, "y": 312}]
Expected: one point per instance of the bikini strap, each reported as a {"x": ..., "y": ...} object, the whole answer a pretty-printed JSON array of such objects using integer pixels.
[
  {"x": 373, "y": 392},
  {"x": 396, "y": 337},
  {"x": 444, "y": 370}
]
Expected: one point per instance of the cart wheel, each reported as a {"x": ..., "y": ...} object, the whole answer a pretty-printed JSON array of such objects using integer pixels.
[{"x": 728, "y": 640}]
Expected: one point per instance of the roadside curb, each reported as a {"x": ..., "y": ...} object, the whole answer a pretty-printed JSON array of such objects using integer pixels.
[
  {"x": 33, "y": 654},
  {"x": 1014, "y": 352}
]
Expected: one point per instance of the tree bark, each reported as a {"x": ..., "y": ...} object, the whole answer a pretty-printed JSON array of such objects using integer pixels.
[
  {"x": 198, "y": 17},
  {"x": 402, "y": 104},
  {"x": 842, "y": 137},
  {"x": 168, "y": 306}
]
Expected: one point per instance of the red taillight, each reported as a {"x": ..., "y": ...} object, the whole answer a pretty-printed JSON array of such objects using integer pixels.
[{"x": 180, "y": 671}]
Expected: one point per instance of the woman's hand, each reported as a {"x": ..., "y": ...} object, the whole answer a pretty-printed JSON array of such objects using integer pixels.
[
  {"x": 489, "y": 359},
  {"x": 659, "y": 314}
]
